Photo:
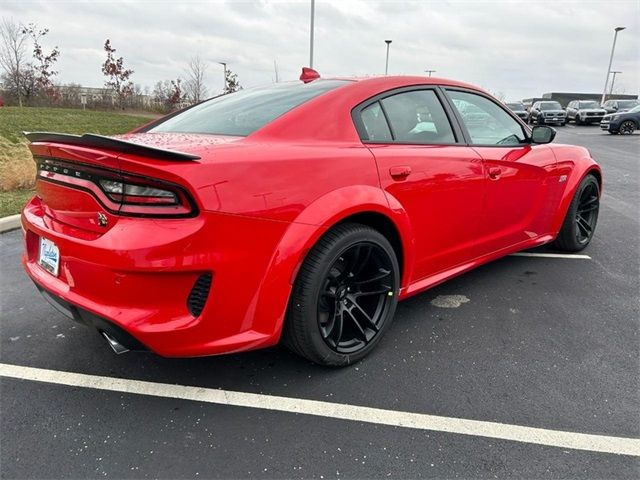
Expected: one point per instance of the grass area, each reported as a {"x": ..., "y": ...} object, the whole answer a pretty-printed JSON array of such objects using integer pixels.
[
  {"x": 17, "y": 169},
  {"x": 13, "y": 201},
  {"x": 15, "y": 120}
]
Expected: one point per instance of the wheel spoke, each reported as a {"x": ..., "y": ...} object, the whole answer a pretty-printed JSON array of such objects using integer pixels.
[
  {"x": 353, "y": 261},
  {"x": 382, "y": 273},
  {"x": 357, "y": 324},
  {"x": 335, "y": 333},
  {"x": 590, "y": 208},
  {"x": 380, "y": 291},
  {"x": 364, "y": 314},
  {"x": 583, "y": 226},
  {"x": 363, "y": 261}
]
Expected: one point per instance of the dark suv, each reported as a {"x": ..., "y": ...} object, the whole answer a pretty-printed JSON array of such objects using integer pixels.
[
  {"x": 519, "y": 110},
  {"x": 585, "y": 111},
  {"x": 547, "y": 112},
  {"x": 613, "y": 106}
]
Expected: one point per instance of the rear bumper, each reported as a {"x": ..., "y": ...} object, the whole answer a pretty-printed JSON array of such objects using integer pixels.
[
  {"x": 139, "y": 274},
  {"x": 91, "y": 320}
]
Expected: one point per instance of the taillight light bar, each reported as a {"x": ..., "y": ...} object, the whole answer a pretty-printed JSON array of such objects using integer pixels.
[{"x": 119, "y": 192}]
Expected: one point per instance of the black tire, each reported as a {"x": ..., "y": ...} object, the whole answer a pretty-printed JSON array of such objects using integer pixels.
[
  {"x": 577, "y": 120},
  {"x": 319, "y": 324},
  {"x": 581, "y": 219},
  {"x": 563, "y": 124},
  {"x": 627, "y": 127}
]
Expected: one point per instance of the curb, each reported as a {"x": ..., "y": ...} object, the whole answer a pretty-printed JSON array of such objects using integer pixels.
[{"x": 12, "y": 222}]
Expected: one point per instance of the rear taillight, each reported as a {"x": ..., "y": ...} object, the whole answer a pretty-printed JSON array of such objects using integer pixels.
[
  {"x": 138, "y": 194},
  {"x": 118, "y": 192}
]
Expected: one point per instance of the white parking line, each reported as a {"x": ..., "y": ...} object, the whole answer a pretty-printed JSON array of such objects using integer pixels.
[
  {"x": 551, "y": 255},
  {"x": 420, "y": 421}
]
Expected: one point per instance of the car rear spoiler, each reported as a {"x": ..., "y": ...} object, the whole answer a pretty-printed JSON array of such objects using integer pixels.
[{"x": 108, "y": 143}]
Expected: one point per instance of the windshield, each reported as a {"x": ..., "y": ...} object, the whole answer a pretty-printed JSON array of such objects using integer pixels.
[
  {"x": 588, "y": 104},
  {"x": 515, "y": 106},
  {"x": 550, "y": 106},
  {"x": 242, "y": 113},
  {"x": 627, "y": 103}
]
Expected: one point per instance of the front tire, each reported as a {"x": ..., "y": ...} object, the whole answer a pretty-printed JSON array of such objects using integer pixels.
[
  {"x": 580, "y": 223},
  {"x": 627, "y": 127},
  {"x": 344, "y": 296}
]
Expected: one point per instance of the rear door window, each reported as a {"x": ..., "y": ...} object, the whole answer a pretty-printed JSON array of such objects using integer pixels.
[{"x": 418, "y": 117}]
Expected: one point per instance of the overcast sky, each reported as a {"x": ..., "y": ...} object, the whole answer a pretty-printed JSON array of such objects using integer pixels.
[{"x": 518, "y": 48}]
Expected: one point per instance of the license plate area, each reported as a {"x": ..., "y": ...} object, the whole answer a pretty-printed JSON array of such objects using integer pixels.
[{"x": 49, "y": 256}]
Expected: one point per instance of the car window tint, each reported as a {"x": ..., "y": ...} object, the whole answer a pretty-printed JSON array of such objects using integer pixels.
[
  {"x": 241, "y": 113},
  {"x": 375, "y": 124},
  {"x": 418, "y": 117},
  {"x": 486, "y": 122}
]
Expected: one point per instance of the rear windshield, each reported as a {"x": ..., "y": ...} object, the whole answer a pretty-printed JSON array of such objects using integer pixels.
[
  {"x": 242, "y": 113},
  {"x": 550, "y": 106}
]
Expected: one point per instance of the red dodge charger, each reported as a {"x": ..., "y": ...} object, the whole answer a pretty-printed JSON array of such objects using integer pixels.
[{"x": 300, "y": 211}]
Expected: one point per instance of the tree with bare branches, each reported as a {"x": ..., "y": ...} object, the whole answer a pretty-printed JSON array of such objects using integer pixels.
[
  {"x": 194, "y": 87},
  {"x": 12, "y": 57},
  {"x": 117, "y": 75},
  {"x": 168, "y": 95},
  {"x": 43, "y": 68}
]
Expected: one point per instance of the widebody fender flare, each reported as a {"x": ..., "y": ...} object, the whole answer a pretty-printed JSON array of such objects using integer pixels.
[
  {"x": 302, "y": 234},
  {"x": 576, "y": 172}
]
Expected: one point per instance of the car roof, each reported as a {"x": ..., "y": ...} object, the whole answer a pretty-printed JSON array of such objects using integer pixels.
[{"x": 328, "y": 116}]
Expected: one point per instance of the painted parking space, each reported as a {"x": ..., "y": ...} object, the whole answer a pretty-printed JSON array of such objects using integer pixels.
[{"x": 533, "y": 341}]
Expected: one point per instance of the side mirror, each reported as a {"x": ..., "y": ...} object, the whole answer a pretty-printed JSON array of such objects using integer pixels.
[{"x": 542, "y": 134}]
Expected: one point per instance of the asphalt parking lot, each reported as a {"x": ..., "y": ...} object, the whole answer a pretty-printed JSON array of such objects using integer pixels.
[{"x": 544, "y": 342}]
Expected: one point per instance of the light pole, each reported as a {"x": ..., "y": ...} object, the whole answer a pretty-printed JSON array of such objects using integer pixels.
[
  {"x": 613, "y": 48},
  {"x": 225, "y": 76},
  {"x": 386, "y": 65},
  {"x": 613, "y": 80},
  {"x": 430, "y": 72},
  {"x": 313, "y": 14}
]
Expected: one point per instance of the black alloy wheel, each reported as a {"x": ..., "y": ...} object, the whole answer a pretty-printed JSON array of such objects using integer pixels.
[
  {"x": 582, "y": 216},
  {"x": 587, "y": 213},
  {"x": 344, "y": 296},
  {"x": 627, "y": 127},
  {"x": 356, "y": 294}
]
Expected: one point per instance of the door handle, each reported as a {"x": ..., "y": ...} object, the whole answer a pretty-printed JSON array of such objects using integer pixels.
[
  {"x": 400, "y": 172},
  {"x": 494, "y": 173}
]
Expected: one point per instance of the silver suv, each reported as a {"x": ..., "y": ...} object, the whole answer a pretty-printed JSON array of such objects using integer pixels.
[{"x": 585, "y": 111}]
